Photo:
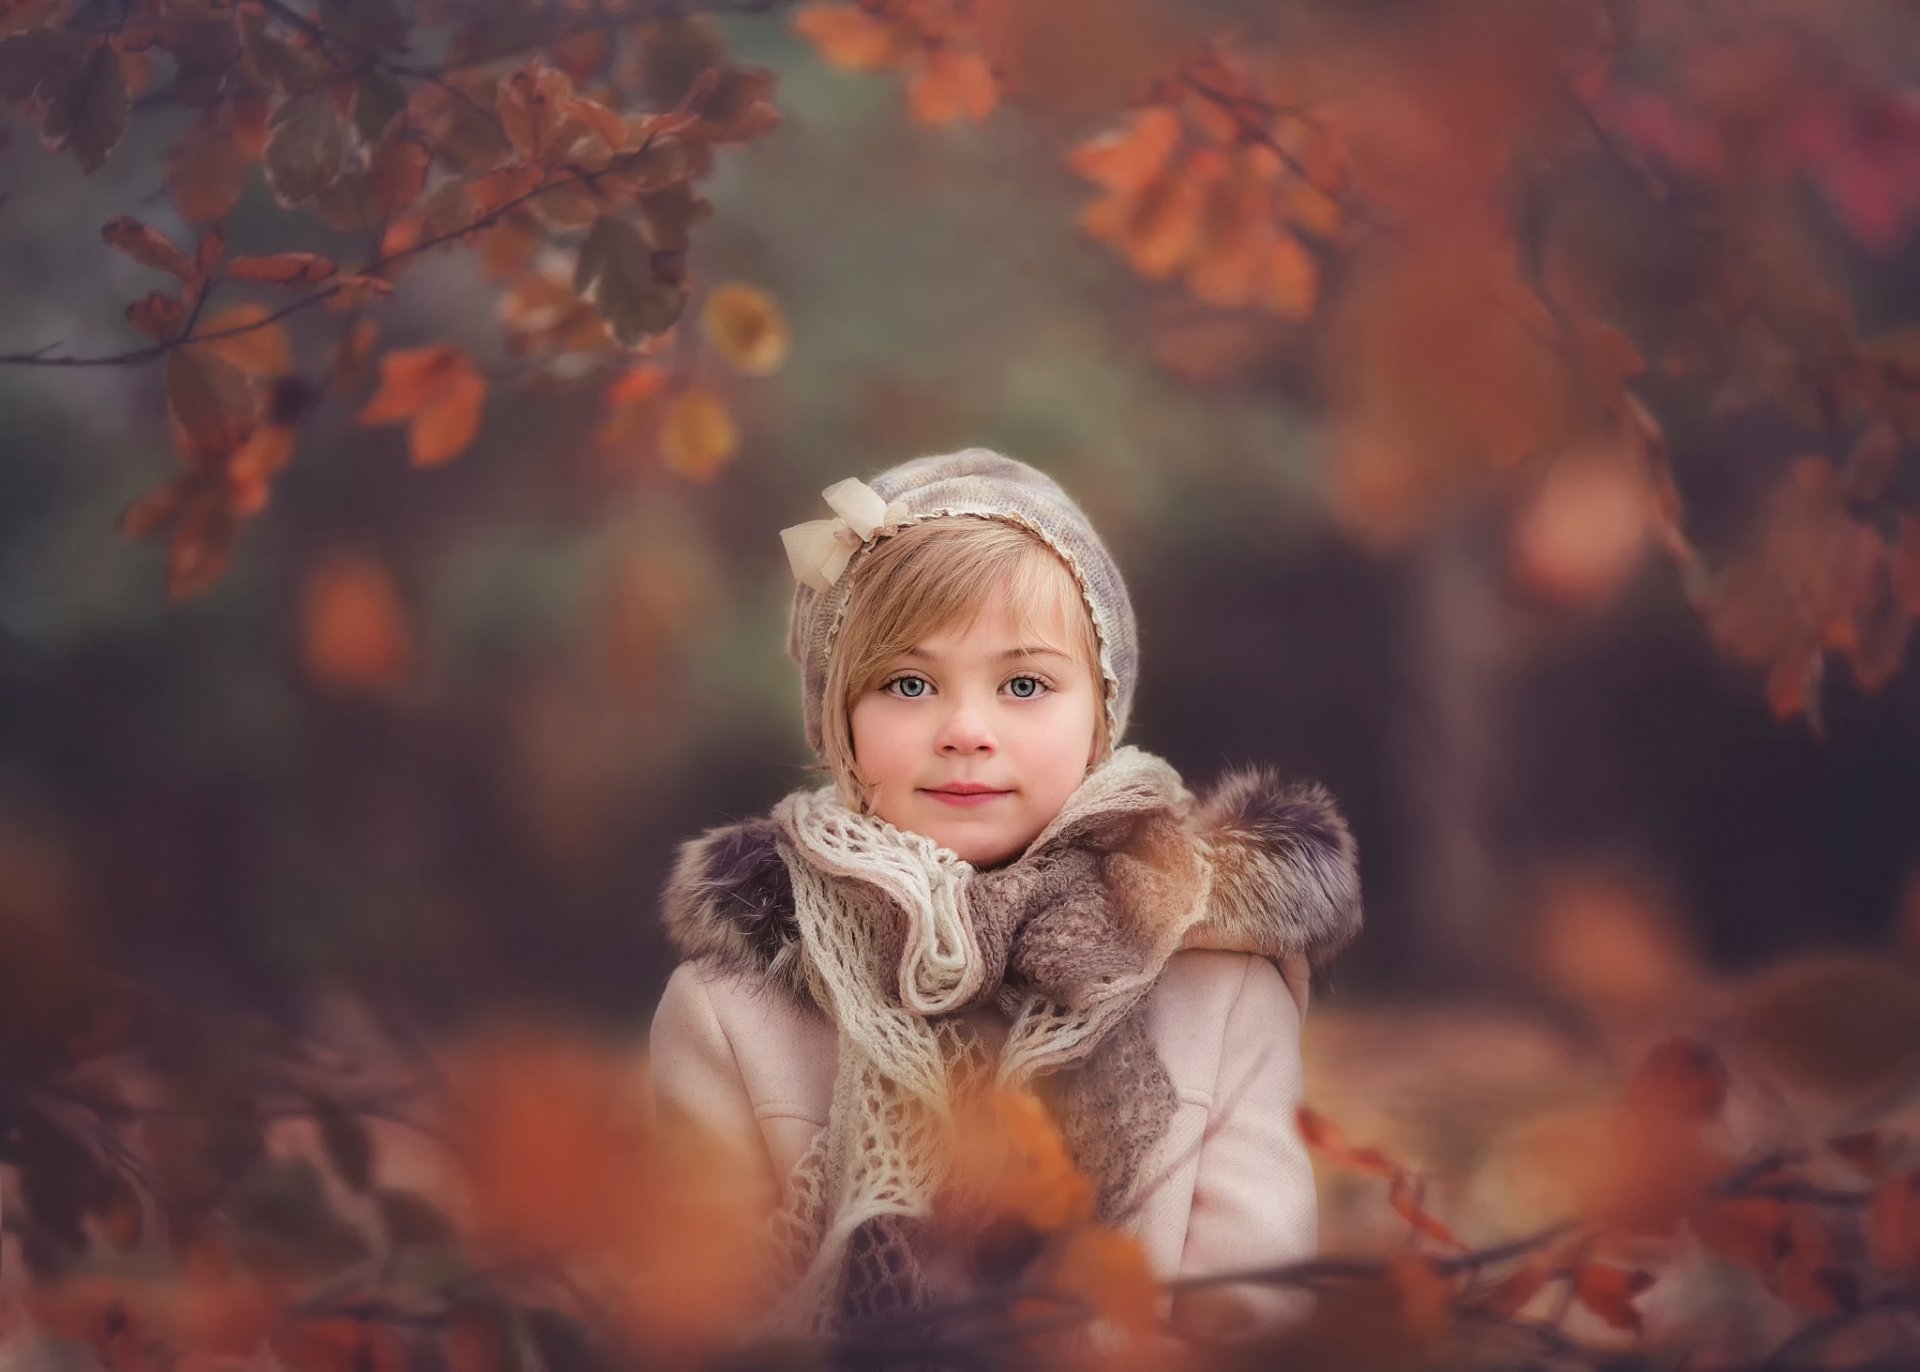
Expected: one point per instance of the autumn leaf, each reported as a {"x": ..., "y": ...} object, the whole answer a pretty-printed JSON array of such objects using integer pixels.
[
  {"x": 851, "y": 39},
  {"x": 437, "y": 392},
  {"x": 354, "y": 636},
  {"x": 1609, "y": 1291},
  {"x": 1126, "y": 160},
  {"x": 86, "y": 108},
  {"x": 212, "y": 403},
  {"x": 207, "y": 170},
  {"x": 260, "y": 349},
  {"x": 145, "y": 245},
  {"x": 1106, "y": 1270},
  {"x": 952, "y": 85},
  {"x": 697, "y": 435},
  {"x": 283, "y": 269},
  {"x": 157, "y": 315},
  {"x": 746, "y": 327},
  {"x": 533, "y": 107},
  {"x": 306, "y": 145},
  {"x": 616, "y": 272}
]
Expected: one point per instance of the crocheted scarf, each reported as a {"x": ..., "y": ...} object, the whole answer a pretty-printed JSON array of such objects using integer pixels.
[{"x": 896, "y": 938}]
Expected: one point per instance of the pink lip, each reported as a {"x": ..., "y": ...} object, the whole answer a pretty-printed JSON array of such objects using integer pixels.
[{"x": 966, "y": 796}]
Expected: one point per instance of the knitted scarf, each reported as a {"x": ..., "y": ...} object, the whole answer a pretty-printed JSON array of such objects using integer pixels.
[{"x": 895, "y": 938}]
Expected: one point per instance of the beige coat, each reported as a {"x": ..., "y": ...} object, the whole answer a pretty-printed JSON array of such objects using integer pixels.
[
  {"x": 1233, "y": 1190},
  {"x": 740, "y": 1047}
]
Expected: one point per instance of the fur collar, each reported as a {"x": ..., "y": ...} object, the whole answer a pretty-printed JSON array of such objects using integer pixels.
[{"x": 1281, "y": 865}]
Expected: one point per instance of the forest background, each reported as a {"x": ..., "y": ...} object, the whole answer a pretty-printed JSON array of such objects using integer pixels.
[{"x": 1504, "y": 414}]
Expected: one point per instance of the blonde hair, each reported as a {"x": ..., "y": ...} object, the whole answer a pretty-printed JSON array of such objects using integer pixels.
[{"x": 932, "y": 576}]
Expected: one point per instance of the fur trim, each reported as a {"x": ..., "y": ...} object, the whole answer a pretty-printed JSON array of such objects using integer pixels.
[
  {"x": 1285, "y": 880},
  {"x": 730, "y": 901},
  {"x": 1285, "y": 867}
]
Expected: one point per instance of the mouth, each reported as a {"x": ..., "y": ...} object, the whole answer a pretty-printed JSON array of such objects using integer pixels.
[{"x": 966, "y": 797}]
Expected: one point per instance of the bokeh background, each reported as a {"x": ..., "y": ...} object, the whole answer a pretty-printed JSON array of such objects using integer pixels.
[{"x": 432, "y": 741}]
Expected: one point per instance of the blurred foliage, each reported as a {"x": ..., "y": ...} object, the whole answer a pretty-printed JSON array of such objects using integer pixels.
[{"x": 1529, "y": 378}]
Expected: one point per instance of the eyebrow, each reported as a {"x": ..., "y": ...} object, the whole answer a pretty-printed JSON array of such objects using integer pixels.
[{"x": 1038, "y": 650}]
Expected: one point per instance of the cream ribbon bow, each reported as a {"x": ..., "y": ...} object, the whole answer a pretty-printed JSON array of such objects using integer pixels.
[{"x": 819, "y": 550}]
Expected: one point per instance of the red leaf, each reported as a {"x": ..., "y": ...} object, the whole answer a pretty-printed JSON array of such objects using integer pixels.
[
  {"x": 145, "y": 245},
  {"x": 158, "y": 315},
  {"x": 283, "y": 269},
  {"x": 1609, "y": 1293}
]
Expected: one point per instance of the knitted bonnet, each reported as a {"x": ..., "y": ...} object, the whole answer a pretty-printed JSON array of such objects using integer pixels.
[{"x": 974, "y": 481}]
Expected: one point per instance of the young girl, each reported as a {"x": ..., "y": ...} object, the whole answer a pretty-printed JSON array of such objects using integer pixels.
[{"x": 993, "y": 889}]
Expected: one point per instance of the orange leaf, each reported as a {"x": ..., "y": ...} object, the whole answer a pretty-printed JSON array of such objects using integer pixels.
[
  {"x": 952, "y": 85},
  {"x": 1162, "y": 229},
  {"x": 212, "y": 403},
  {"x": 1108, "y": 1271},
  {"x": 533, "y": 105},
  {"x": 354, "y": 631},
  {"x": 698, "y": 436},
  {"x": 1127, "y": 159},
  {"x": 283, "y": 269},
  {"x": 745, "y": 326},
  {"x": 1009, "y": 1160},
  {"x": 1292, "y": 279},
  {"x": 145, "y": 245},
  {"x": 157, "y": 315},
  {"x": 207, "y": 171},
  {"x": 1609, "y": 1292},
  {"x": 850, "y": 38},
  {"x": 261, "y": 350},
  {"x": 438, "y": 392}
]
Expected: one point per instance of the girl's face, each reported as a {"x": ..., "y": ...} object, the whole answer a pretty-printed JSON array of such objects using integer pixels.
[{"x": 976, "y": 738}]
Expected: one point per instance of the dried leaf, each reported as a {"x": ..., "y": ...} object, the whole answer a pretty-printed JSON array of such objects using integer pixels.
[
  {"x": 86, "y": 108},
  {"x": 145, "y": 245},
  {"x": 616, "y": 272},
  {"x": 306, "y": 145},
  {"x": 283, "y": 269},
  {"x": 207, "y": 170},
  {"x": 157, "y": 315},
  {"x": 260, "y": 350},
  {"x": 212, "y": 403},
  {"x": 437, "y": 392},
  {"x": 533, "y": 107}
]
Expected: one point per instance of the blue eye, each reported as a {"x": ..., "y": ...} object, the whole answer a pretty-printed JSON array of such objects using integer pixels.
[
  {"x": 1033, "y": 686},
  {"x": 903, "y": 682}
]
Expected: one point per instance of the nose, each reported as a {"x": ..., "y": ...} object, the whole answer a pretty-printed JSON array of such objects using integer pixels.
[{"x": 965, "y": 730}]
